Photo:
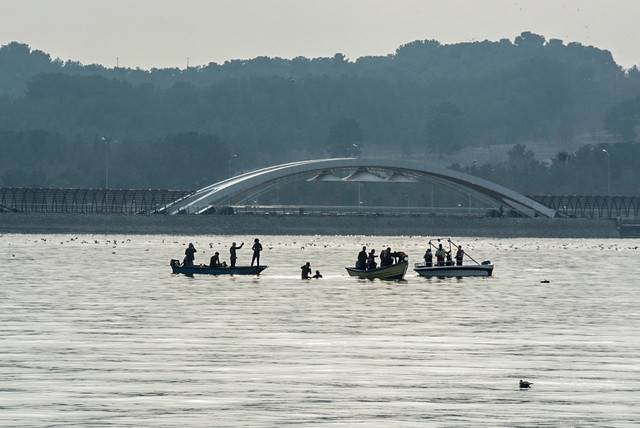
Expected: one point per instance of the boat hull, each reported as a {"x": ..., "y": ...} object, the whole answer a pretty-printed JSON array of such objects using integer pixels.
[
  {"x": 454, "y": 271},
  {"x": 206, "y": 270},
  {"x": 388, "y": 273}
]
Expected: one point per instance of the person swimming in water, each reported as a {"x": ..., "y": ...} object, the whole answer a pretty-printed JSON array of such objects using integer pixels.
[{"x": 306, "y": 270}]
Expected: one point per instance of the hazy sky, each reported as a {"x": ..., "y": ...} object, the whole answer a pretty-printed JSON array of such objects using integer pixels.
[{"x": 161, "y": 33}]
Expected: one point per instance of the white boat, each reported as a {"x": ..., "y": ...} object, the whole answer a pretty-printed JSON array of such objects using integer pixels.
[{"x": 483, "y": 269}]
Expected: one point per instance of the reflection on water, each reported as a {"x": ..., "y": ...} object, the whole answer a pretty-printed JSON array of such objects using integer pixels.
[{"x": 97, "y": 333}]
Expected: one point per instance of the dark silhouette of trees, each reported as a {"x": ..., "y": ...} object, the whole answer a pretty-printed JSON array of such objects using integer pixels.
[
  {"x": 445, "y": 129},
  {"x": 345, "y": 139},
  {"x": 424, "y": 96},
  {"x": 623, "y": 120},
  {"x": 45, "y": 159}
]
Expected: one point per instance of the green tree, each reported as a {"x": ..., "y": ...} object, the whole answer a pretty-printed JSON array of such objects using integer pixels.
[
  {"x": 345, "y": 138},
  {"x": 445, "y": 129}
]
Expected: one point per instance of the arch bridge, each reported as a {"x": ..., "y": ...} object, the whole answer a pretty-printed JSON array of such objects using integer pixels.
[{"x": 358, "y": 170}]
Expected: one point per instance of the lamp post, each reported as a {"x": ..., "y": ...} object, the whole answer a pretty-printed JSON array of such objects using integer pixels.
[
  {"x": 106, "y": 161},
  {"x": 233, "y": 159},
  {"x": 608, "y": 171},
  {"x": 107, "y": 142}
]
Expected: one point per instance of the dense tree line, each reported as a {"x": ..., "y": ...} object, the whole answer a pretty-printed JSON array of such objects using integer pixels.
[
  {"x": 591, "y": 170},
  {"x": 46, "y": 159},
  {"x": 425, "y": 98}
]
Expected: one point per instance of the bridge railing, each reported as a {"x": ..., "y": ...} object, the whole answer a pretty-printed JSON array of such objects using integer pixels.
[
  {"x": 146, "y": 201},
  {"x": 583, "y": 206},
  {"x": 86, "y": 201},
  {"x": 320, "y": 210}
]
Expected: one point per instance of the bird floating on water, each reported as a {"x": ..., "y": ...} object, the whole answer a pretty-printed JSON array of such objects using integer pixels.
[{"x": 524, "y": 384}]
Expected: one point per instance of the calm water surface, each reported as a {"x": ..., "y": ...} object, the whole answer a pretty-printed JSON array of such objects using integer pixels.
[{"x": 93, "y": 333}]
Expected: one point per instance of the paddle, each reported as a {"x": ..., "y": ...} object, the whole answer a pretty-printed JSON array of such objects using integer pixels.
[{"x": 467, "y": 254}]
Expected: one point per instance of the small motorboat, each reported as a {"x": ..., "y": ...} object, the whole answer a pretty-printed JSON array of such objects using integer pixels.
[
  {"x": 483, "y": 269},
  {"x": 451, "y": 269},
  {"x": 176, "y": 267},
  {"x": 389, "y": 273}
]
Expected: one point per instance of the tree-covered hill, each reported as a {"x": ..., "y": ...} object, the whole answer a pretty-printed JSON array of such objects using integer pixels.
[{"x": 425, "y": 98}]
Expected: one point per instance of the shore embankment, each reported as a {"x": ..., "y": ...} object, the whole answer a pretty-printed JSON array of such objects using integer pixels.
[{"x": 308, "y": 225}]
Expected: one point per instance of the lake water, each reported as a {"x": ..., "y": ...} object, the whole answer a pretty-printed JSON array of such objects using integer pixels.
[{"x": 97, "y": 333}]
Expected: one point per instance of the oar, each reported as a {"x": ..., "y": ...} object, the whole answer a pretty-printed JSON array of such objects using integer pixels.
[{"x": 451, "y": 242}]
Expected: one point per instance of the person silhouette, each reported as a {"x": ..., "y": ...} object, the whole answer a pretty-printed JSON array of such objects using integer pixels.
[
  {"x": 257, "y": 248},
  {"x": 232, "y": 253},
  {"x": 306, "y": 270}
]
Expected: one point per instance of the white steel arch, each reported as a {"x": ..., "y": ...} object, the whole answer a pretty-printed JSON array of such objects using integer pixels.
[{"x": 215, "y": 194}]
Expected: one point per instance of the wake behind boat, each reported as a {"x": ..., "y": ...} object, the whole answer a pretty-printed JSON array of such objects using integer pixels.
[
  {"x": 393, "y": 272},
  {"x": 177, "y": 268}
]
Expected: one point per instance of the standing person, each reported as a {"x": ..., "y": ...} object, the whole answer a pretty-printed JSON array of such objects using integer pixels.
[
  {"x": 449, "y": 258},
  {"x": 232, "y": 251},
  {"x": 371, "y": 260},
  {"x": 440, "y": 255},
  {"x": 190, "y": 255},
  {"x": 459, "y": 255},
  {"x": 386, "y": 259},
  {"x": 257, "y": 247},
  {"x": 362, "y": 259},
  {"x": 306, "y": 270},
  {"x": 428, "y": 258}
]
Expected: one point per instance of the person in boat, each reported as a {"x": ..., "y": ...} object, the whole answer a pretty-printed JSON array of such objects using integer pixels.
[
  {"x": 318, "y": 275},
  {"x": 398, "y": 257},
  {"x": 257, "y": 247},
  {"x": 189, "y": 255},
  {"x": 232, "y": 253},
  {"x": 371, "y": 260},
  {"x": 306, "y": 270},
  {"x": 428, "y": 258},
  {"x": 459, "y": 256},
  {"x": 362, "y": 259},
  {"x": 386, "y": 257},
  {"x": 440, "y": 255},
  {"x": 215, "y": 260},
  {"x": 449, "y": 258}
]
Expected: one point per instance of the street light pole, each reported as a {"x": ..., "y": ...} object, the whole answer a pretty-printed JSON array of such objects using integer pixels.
[
  {"x": 608, "y": 171},
  {"x": 106, "y": 162}
]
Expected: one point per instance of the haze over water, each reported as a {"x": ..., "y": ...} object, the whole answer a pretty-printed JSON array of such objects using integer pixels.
[{"x": 94, "y": 333}]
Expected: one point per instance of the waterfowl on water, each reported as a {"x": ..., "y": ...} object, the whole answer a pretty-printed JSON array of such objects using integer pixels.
[{"x": 524, "y": 384}]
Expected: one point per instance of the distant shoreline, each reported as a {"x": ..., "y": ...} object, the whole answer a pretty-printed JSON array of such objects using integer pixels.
[{"x": 307, "y": 225}]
